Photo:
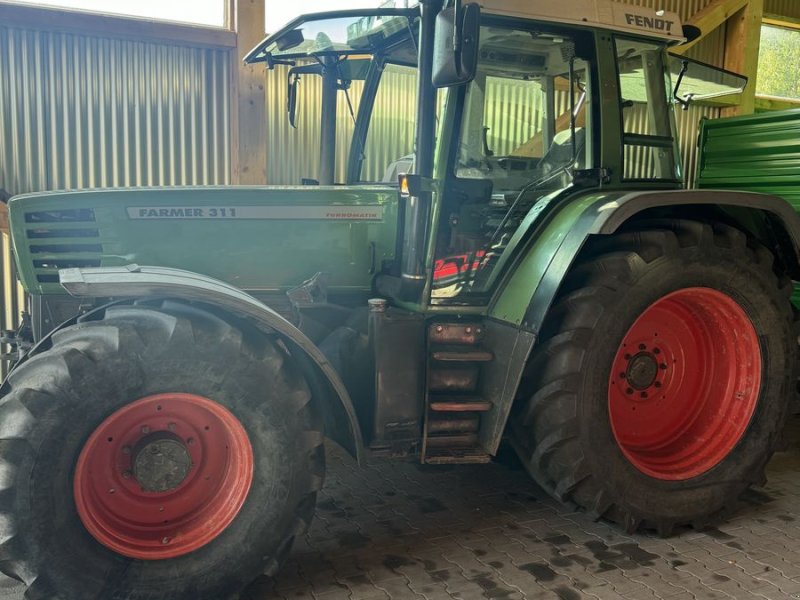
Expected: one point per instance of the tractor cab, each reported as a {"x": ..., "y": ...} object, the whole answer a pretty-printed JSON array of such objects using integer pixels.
[{"x": 506, "y": 121}]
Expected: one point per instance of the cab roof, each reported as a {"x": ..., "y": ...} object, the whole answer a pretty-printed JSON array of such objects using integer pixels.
[
  {"x": 367, "y": 31},
  {"x": 603, "y": 14}
]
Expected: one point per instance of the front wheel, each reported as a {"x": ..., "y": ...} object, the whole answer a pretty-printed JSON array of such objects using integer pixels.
[
  {"x": 660, "y": 385},
  {"x": 155, "y": 452}
]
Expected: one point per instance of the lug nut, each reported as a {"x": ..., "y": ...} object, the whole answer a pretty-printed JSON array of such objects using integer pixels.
[
  {"x": 190, "y": 441},
  {"x": 642, "y": 347},
  {"x": 145, "y": 429},
  {"x": 622, "y": 376},
  {"x": 643, "y": 394},
  {"x": 663, "y": 366},
  {"x": 656, "y": 350},
  {"x": 468, "y": 330},
  {"x": 172, "y": 426},
  {"x": 127, "y": 475},
  {"x": 126, "y": 450},
  {"x": 165, "y": 540},
  {"x": 439, "y": 329},
  {"x": 629, "y": 391},
  {"x": 658, "y": 384}
]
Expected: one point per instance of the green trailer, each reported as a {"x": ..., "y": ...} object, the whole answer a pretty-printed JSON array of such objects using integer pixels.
[
  {"x": 755, "y": 153},
  {"x": 533, "y": 271}
]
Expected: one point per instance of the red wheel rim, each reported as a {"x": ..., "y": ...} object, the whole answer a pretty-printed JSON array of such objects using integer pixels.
[
  {"x": 163, "y": 476},
  {"x": 684, "y": 384}
]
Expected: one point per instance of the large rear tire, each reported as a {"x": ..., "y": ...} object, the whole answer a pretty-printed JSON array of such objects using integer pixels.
[
  {"x": 155, "y": 452},
  {"x": 660, "y": 385}
]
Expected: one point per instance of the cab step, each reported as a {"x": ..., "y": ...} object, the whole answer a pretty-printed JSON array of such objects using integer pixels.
[
  {"x": 461, "y": 354},
  {"x": 459, "y": 456},
  {"x": 453, "y": 441},
  {"x": 459, "y": 404},
  {"x": 452, "y": 430},
  {"x": 454, "y": 422}
]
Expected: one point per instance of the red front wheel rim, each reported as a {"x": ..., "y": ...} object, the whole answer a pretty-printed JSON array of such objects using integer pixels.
[
  {"x": 163, "y": 476},
  {"x": 684, "y": 384}
]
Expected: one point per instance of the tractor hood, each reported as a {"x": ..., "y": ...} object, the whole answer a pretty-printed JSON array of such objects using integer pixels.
[{"x": 255, "y": 238}]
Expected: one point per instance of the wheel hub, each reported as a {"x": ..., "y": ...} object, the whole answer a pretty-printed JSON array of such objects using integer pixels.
[
  {"x": 161, "y": 463},
  {"x": 163, "y": 476},
  {"x": 642, "y": 371},
  {"x": 684, "y": 383}
]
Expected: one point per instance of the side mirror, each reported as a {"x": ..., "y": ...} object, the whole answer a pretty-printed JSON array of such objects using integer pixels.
[
  {"x": 455, "y": 52},
  {"x": 291, "y": 98}
]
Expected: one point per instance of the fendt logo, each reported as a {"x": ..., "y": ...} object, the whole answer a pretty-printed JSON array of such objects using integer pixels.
[{"x": 649, "y": 22}]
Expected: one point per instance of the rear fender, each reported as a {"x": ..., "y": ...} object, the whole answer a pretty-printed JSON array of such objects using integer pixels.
[
  {"x": 528, "y": 292},
  {"x": 134, "y": 281},
  {"x": 525, "y": 297}
]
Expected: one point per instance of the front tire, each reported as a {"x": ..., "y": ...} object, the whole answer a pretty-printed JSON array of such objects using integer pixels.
[
  {"x": 660, "y": 385},
  {"x": 155, "y": 452}
]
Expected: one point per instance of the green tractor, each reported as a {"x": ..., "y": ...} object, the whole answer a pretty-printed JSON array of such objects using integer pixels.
[{"x": 529, "y": 269}]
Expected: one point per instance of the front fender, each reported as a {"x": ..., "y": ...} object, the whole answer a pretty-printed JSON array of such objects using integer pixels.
[{"x": 135, "y": 281}]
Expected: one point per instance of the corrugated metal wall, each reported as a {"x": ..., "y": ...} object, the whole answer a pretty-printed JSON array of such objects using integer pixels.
[
  {"x": 785, "y": 8},
  {"x": 82, "y": 111},
  {"x": 294, "y": 153},
  {"x": 79, "y": 111}
]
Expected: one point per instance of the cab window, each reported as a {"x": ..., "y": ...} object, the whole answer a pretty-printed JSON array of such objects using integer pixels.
[{"x": 524, "y": 132}]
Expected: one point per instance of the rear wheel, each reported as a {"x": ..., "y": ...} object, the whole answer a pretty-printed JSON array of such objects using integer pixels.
[
  {"x": 155, "y": 452},
  {"x": 661, "y": 382}
]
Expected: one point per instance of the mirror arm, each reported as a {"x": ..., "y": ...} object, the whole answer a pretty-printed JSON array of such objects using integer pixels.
[
  {"x": 291, "y": 97},
  {"x": 684, "y": 102},
  {"x": 458, "y": 42}
]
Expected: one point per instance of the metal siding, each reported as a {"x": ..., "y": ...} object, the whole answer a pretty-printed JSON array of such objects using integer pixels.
[
  {"x": 78, "y": 111},
  {"x": 784, "y": 8},
  {"x": 293, "y": 153},
  {"x": 758, "y": 153},
  {"x": 84, "y": 111}
]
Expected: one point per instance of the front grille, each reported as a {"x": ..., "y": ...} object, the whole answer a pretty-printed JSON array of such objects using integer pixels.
[
  {"x": 43, "y": 234},
  {"x": 65, "y": 248},
  {"x": 61, "y": 239},
  {"x": 71, "y": 215}
]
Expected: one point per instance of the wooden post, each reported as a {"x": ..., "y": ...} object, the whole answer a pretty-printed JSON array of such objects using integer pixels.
[
  {"x": 4, "y": 227},
  {"x": 710, "y": 18},
  {"x": 248, "y": 103},
  {"x": 742, "y": 44}
]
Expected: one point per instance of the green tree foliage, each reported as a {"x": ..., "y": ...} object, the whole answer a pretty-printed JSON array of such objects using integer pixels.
[{"x": 778, "y": 72}]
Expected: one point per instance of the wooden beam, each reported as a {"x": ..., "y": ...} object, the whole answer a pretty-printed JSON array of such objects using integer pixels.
[
  {"x": 742, "y": 45},
  {"x": 249, "y": 139},
  {"x": 781, "y": 21},
  {"x": 710, "y": 18},
  {"x": 770, "y": 103}
]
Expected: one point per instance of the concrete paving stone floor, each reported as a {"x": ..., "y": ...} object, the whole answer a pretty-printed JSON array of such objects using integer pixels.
[{"x": 404, "y": 531}]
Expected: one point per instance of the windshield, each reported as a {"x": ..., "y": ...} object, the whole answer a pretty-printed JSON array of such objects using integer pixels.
[
  {"x": 523, "y": 133},
  {"x": 339, "y": 33}
]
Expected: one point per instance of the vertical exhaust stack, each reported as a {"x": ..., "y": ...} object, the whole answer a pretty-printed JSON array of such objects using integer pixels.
[{"x": 418, "y": 202}]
